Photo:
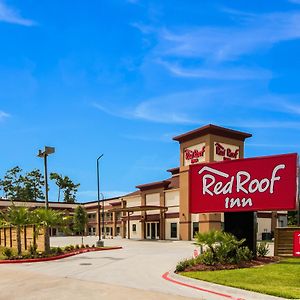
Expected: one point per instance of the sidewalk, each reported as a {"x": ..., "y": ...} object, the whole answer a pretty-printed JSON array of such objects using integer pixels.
[{"x": 212, "y": 291}]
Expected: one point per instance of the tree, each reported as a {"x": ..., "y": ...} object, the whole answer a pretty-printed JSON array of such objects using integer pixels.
[
  {"x": 26, "y": 187},
  {"x": 44, "y": 219},
  {"x": 33, "y": 182},
  {"x": 18, "y": 217},
  {"x": 11, "y": 183},
  {"x": 80, "y": 220},
  {"x": 66, "y": 185}
]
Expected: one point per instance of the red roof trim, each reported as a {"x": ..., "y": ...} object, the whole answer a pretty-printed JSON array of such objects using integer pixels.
[{"x": 212, "y": 129}]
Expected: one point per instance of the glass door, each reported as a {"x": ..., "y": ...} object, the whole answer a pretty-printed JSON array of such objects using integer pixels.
[{"x": 152, "y": 230}]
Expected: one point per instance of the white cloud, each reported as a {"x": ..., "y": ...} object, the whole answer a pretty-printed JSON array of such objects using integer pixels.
[
  {"x": 238, "y": 106},
  {"x": 295, "y": 1},
  {"x": 220, "y": 73},
  {"x": 3, "y": 115},
  {"x": 292, "y": 108},
  {"x": 219, "y": 44},
  {"x": 10, "y": 15}
]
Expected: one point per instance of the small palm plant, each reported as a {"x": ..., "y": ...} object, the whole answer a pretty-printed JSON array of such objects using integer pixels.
[
  {"x": 18, "y": 217},
  {"x": 46, "y": 218},
  {"x": 209, "y": 239}
]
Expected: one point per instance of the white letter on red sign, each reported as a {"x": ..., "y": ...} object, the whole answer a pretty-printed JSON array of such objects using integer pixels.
[
  {"x": 274, "y": 178},
  {"x": 206, "y": 186},
  {"x": 239, "y": 183}
]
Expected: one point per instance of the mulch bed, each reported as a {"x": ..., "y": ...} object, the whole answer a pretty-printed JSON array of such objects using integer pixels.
[
  {"x": 56, "y": 257},
  {"x": 259, "y": 261}
]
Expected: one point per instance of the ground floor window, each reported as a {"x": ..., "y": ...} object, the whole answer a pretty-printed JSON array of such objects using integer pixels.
[
  {"x": 118, "y": 231},
  {"x": 173, "y": 230},
  {"x": 134, "y": 227},
  {"x": 92, "y": 231},
  {"x": 195, "y": 228}
]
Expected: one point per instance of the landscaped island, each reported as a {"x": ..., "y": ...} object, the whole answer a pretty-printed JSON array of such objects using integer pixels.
[{"x": 226, "y": 261}]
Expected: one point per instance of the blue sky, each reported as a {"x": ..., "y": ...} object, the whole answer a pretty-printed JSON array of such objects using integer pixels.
[{"x": 123, "y": 77}]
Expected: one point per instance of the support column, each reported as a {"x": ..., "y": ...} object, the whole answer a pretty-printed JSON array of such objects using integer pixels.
[
  {"x": 184, "y": 213},
  {"x": 128, "y": 225},
  {"x": 114, "y": 225},
  {"x": 143, "y": 217},
  {"x": 123, "y": 225},
  {"x": 162, "y": 223}
]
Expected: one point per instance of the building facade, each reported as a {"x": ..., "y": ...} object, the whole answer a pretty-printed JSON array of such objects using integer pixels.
[{"x": 160, "y": 210}]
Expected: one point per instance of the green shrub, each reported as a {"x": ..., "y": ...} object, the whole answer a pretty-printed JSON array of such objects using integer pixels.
[
  {"x": 182, "y": 265},
  {"x": 59, "y": 250},
  {"x": 7, "y": 252},
  {"x": 71, "y": 247},
  {"x": 67, "y": 248},
  {"x": 262, "y": 249},
  {"x": 77, "y": 247},
  {"x": 222, "y": 247},
  {"x": 207, "y": 258},
  {"x": 243, "y": 254},
  {"x": 87, "y": 246},
  {"x": 32, "y": 250},
  {"x": 82, "y": 246},
  {"x": 93, "y": 246}
]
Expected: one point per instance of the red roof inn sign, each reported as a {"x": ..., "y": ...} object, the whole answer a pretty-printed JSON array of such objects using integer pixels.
[{"x": 260, "y": 183}]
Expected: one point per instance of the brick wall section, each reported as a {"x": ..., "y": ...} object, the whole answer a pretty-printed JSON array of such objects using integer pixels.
[{"x": 8, "y": 237}]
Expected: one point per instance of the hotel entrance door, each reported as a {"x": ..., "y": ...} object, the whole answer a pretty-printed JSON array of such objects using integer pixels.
[{"x": 152, "y": 230}]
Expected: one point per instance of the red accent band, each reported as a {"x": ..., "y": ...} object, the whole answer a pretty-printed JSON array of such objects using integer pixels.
[
  {"x": 166, "y": 277},
  {"x": 30, "y": 260}
]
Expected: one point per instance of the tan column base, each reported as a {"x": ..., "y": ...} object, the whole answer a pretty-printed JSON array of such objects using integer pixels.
[
  {"x": 209, "y": 222},
  {"x": 185, "y": 230}
]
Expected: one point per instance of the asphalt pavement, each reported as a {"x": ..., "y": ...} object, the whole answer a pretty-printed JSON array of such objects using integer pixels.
[{"x": 134, "y": 272}]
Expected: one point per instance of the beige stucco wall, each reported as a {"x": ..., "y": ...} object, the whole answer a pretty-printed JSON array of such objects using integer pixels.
[
  {"x": 135, "y": 234},
  {"x": 168, "y": 228},
  {"x": 153, "y": 199},
  {"x": 172, "y": 201},
  {"x": 264, "y": 225}
]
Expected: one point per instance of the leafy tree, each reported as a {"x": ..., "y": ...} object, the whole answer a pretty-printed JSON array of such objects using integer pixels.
[
  {"x": 58, "y": 181},
  {"x": 27, "y": 187},
  {"x": 80, "y": 220},
  {"x": 11, "y": 183},
  {"x": 33, "y": 182},
  {"x": 66, "y": 185},
  {"x": 18, "y": 217},
  {"x": 292, "y": 218}
]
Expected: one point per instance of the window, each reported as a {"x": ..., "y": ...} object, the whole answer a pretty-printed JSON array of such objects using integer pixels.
[
  {"x": 173, "y": 230},
  {"x": 92, "y": 230},
  {"x": 134, "y": 227},
  {"x": 157, "y": 229},
  {"x": 118, "y": 230},
  {"x": 195, "y": 228},
  {"x": 91, "y": 216}
]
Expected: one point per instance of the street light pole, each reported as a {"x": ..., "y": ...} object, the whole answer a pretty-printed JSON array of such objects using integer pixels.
[
  {"x": 99, "y": 242},
  {"x": 44, "y": 154},
  {"x": 103, "y": 215}
]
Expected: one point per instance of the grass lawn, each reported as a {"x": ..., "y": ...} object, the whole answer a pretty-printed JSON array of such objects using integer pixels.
[{"x": 281, "y": 279}]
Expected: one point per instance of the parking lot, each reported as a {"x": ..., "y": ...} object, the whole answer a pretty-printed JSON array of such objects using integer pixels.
[{"x": 133, "y": 272}]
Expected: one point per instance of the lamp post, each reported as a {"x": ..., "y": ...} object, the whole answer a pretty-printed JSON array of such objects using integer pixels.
[
  {"x": 99, "y": 242},
  {"x": 44, "y": 154},
  {"x": 103, "y": 215}
]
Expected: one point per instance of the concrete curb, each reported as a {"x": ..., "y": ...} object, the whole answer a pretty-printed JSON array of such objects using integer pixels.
[
  {"x": 170, "y": 277},
  {"x": 79, "y": 251},
  {"x": 213, "y": 289}
]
